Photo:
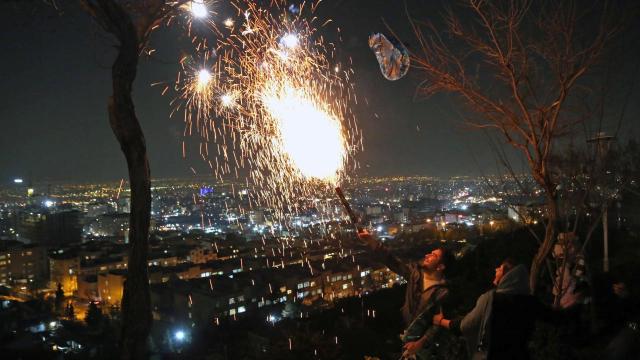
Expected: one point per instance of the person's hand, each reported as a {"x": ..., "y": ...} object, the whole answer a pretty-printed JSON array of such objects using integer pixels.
[
  {"x": 412, "y": 347},
  {"x": 365, "y": 237},
  {"x": 437, "y": 319},
  {"x": 368, "y": 240},
  {"x": 363, "y": 234}
]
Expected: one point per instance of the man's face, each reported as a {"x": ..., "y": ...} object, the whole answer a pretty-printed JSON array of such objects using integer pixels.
[
  {"x": 499, "y": 275},
  {"x": 432, "y": 260}
]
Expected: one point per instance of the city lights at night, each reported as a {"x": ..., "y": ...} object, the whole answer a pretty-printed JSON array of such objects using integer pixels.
[{"x": 207, "y": 179}]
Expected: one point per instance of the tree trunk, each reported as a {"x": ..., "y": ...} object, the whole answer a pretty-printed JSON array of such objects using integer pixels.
[
  {"x": 605, "y": 237},
  {"x": 547, "y": 243},
  {"x": 136, "y": 302}
]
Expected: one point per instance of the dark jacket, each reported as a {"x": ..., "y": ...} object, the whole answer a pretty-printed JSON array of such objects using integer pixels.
[
  {"x": 415, "y": 295},
  {"x": 420, "y": 304},
  {"x": 501, "y": 323}
]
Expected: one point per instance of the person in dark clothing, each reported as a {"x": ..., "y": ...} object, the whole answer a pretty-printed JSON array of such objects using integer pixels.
[
  {"x": 503, "y": 319},
  {"x": 619, "y": 319},
  {"x": 426, "y": 295}
]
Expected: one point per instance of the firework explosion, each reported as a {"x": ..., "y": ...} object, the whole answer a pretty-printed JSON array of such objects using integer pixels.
[{"x": 273, "y": 103}]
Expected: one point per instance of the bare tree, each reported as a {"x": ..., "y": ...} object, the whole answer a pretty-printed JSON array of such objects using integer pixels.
[
  {"x": 518, "y": 65},
  {"x": 131, "y": 23}
]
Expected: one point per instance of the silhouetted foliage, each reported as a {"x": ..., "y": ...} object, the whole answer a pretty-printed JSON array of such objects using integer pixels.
[
  {"x": 94, "y": 316},
  {"x": 69, "y": 312},
  {"x": 59, "y": 299}
]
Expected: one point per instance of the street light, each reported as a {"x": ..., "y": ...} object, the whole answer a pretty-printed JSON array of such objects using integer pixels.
[{"x": 602, "y": 143}]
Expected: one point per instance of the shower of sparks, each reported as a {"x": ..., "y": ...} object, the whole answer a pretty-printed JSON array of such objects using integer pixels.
[
  {"x": 119, "y": 189},
  {"x": 197, "y": 16},
  {"x": 266, "y": 98}
]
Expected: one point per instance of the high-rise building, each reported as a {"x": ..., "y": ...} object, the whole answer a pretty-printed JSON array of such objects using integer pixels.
[
  {"x": 111, "y": 286},
  {"x": 49, "y": 227},
  {"x": 109, "y": 225},
  {"x": 23, "y": 266},
  {"x": 63, "y": 269},
  {"x": 88, "y": 287}
]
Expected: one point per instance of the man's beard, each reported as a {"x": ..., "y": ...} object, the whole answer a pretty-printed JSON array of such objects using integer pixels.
[{"x": 429, "y": 267}]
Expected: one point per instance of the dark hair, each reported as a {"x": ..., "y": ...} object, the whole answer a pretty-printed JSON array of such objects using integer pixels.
[
  {"x": 447, "y": 259},
  {"x": 509, "y": 263}
]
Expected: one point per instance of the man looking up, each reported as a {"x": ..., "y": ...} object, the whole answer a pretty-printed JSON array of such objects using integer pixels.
[{"x": 425, "y": 296}]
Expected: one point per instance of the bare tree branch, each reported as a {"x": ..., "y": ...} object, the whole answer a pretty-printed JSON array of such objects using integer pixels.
[{"x": 517, "y": 43}]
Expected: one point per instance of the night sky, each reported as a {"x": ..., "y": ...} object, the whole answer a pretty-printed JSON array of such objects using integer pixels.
[{"x": 56, "y": 79}]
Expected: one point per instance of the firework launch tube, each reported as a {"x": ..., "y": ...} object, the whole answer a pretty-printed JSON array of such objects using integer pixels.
[{"x": 347, "y": 207}]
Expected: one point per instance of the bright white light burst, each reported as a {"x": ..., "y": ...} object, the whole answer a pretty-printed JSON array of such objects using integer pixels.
[
  {"x": 227, "y": 99},
  {"x": 290, "y": 41},
  {"x": 304, "y": 129},
  {"x": 199, "y": 9},
  {"x": 204, "y": 77}
]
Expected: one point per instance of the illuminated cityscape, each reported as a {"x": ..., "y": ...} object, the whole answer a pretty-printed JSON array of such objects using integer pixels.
[
  {"x": 209, "y": 259},
  {"x": 287, "y": 179}
]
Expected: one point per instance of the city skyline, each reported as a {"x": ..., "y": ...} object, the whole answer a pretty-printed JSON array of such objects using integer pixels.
[{"x": 292, "y": 168}]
